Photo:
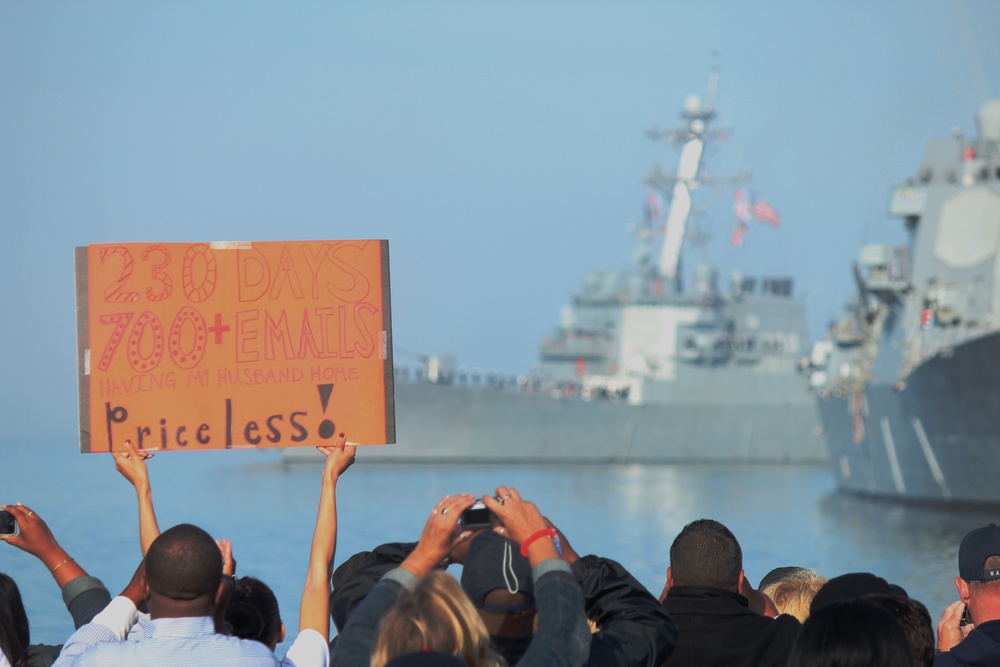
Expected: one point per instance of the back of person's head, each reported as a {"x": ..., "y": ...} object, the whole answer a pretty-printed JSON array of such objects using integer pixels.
[
  {"x": 851, "y": 633},
  {"x": 850, "y": 586},
  {"x": 987, "y": 587},
  {"x": 979, "y": 555},
  {"x": 253, "y": 612},
  {"x": 706, "y": 554},
  {"x": 793, "y": 593},
  {"x": 915, "y": 620},
  {"x": 183, "y": 563},
  {"x": 779, "y": 573},
  {"x": 436, "y": 616},
  {"x": 14, "y": 632},
  {"x": 496, "y": 577}
]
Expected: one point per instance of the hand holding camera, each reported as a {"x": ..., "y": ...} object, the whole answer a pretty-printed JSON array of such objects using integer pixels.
[
  {"x": 520, "y": 518},
  {"x": 25, "y": 530},
  {"x": 441, "y": 534}
]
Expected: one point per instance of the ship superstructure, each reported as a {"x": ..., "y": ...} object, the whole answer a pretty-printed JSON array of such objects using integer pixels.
[
  {"x": 640, "y": 368},
  {"x": 909, "y": 380}
]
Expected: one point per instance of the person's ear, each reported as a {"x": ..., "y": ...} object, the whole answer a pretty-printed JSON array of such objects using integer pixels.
[
  {"x": 281, "y": 634},
  {"x": 668, "y": 585},
  {"x": 963, "y": 589}
]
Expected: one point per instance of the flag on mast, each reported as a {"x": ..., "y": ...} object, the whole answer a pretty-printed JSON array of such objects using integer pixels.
[{"x": 747, "y": 204}]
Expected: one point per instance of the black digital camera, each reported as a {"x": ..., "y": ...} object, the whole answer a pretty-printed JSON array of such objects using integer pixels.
[
  {"x": 477, "y": 517},
  {"x": 8, "y": 524}
]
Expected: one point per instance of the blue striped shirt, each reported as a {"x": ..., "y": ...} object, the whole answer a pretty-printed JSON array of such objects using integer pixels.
[{"x": 178, "y": 642}]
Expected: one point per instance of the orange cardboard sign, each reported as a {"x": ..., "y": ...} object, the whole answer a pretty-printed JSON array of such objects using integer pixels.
[{"x": 227, "y": 345}]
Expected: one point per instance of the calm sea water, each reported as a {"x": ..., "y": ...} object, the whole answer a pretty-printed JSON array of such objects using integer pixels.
[{"x": 782, "y": 515}]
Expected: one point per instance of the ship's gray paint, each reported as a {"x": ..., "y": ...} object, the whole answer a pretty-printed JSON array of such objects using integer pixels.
[{"x": 912, "y": 372}]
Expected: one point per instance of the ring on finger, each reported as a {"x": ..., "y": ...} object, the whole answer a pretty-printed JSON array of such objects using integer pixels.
[{"x": 31, "y": 513}]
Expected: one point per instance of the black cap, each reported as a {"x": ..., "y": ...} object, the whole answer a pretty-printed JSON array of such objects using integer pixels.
[
  {"x": 495, "y": 562},
  {"x": 976, "y": 547},
  {"x": 849, "y": 587}
]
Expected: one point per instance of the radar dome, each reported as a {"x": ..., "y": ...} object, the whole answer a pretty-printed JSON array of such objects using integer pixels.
[{"x": 988, "y": 120}]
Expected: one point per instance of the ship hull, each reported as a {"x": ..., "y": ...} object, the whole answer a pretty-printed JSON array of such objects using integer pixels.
[
  {"x": 935, "y": 437},
  {"x": 440, "y": 423}
]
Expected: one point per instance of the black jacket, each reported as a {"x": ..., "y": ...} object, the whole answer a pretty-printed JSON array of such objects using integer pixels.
[
  {"x": 634, "y": 630},
  {"x": 980, "y": 648},
  {"x": 718, "y": 628}
]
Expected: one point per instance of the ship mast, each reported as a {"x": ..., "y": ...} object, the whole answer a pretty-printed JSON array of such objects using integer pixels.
[{"x": 692, "y": 135}]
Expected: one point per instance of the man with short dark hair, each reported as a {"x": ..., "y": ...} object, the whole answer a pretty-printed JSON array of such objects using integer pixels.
[
  {"x": 978, "y": 583},
  {"x": 702, "y": 595},
  {"x": 180, "y": 580}
]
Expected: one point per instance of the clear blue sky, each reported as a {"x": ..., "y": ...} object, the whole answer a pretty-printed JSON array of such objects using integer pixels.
[{"x": 499, "y": 146}]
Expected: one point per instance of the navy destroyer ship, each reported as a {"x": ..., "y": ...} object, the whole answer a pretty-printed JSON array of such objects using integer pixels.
[
  {"x": 908, "y": 381},
  {"x": 640, "y": 369}
]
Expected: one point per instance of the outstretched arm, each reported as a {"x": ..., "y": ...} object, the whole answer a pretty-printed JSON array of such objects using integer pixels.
[
  {"x": 131, "y": 463},
  {"x": 84, "y": 595},
  {"x": 314, "y": 611},
  {"x": 36, "y": 538}
]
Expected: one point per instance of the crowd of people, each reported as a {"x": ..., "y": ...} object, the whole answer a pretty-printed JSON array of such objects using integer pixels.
[{"x": 524, "y": 597}]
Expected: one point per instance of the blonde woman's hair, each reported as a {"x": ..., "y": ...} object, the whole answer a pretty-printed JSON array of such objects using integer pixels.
[
  {"x": 436, "y": 616},
  {"x": 793, "y": 594}
]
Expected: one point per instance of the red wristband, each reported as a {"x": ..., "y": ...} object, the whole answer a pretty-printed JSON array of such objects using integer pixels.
[{"x": 544, "y": 532}]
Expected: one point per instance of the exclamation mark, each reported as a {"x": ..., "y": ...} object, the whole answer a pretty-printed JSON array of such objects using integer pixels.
[{"x": 326, "y": 427}]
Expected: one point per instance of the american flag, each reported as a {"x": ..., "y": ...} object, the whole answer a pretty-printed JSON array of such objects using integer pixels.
[{"x": 749, "y": 204}]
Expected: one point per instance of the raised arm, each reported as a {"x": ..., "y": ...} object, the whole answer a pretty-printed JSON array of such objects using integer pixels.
[
  {"x": 314, "y": 611},
  {"x": 84, "y": 595},
  {"x": 131, "y": 463},
  {"x": 36, "y": 538}
]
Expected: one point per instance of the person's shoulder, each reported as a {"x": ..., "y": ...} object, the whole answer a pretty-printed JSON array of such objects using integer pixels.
[
  {"x": 787, "y": 626},
  {"x": 309, "y": 648},
  {"x": 787, "y": 620},
  {"x": 981, "y": 647}
]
